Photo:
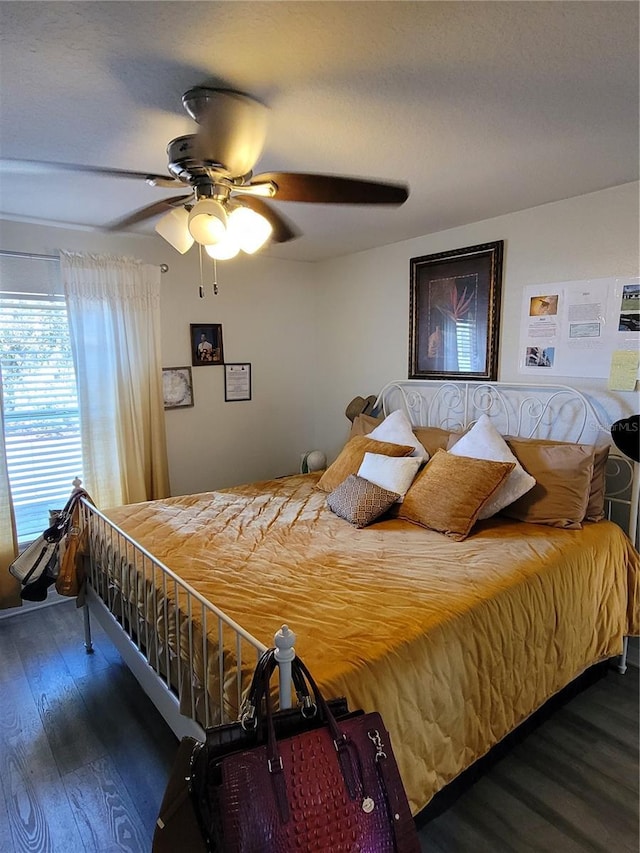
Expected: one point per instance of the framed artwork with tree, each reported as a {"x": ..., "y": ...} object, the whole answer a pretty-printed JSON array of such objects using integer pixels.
[{"x": 454, "y": 313}]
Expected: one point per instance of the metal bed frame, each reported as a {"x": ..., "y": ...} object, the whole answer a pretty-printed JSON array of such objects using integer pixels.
[
  {"x": 145, "y": 652},
  {"x": 557, "y": 412}
]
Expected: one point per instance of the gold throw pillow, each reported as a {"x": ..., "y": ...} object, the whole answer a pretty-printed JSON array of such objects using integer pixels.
[
  {"x": 450, "y": 492},
  {"x": 351, "y": 456},
  {"x": 564, "y": 474}
]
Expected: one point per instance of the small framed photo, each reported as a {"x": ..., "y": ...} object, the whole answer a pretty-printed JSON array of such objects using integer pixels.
[
  {"x": 177, "y": 387},
  {"x": 206, "y": 344},
  {"x": 237, "y": 382}
]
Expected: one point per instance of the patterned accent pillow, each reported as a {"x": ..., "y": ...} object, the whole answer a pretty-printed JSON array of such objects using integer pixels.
[{"x": 359, "y": 501}]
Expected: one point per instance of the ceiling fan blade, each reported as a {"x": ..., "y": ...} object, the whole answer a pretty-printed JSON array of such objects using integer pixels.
[
  {"x": 42, "y": 167},
  {"x": 329, "y": 189},
  {"x": 283, "y": 229},
  {"x": 148, "y": 212}
]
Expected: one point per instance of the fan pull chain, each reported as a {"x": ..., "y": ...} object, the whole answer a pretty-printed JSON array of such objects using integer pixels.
[
  {"x": 201, "y": 288},
  {"x": 215, "y": 277}
]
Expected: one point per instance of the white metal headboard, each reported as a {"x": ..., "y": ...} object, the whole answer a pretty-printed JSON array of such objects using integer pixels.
[{"x": 534, "y": 411}]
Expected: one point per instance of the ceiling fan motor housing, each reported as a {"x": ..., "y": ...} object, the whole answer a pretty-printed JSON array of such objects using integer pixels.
[
  {"x": 187, "y": 162},
  {"x": 233, "y": 128}
]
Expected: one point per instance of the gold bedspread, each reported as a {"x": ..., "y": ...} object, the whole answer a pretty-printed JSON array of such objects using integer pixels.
[{"x": 455, "y": 643}]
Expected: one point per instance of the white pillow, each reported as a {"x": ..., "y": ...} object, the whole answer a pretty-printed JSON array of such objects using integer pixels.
[
  {"x": 483, "y": 441},
  {"x": 396, "y": 428},
  {"x": 391, "y": 473}
]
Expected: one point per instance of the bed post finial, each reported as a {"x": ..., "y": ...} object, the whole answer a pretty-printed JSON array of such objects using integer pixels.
[{"x": 284, "y": 654}]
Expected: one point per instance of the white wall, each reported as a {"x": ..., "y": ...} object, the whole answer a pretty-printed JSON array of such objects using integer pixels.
[
  {"x": 363, "y": 299},
  {"x": 319, "y": 334},
  {"x": 266, "y": 308}
]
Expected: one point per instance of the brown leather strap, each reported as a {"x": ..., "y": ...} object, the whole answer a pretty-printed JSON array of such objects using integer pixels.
[{"x": 276, "y": 770}]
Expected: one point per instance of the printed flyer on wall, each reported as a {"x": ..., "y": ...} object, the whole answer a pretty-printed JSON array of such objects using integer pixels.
[{"x": 573, "y": 328}]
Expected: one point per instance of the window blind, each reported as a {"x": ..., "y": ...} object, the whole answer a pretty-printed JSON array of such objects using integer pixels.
[{"x": 42, "y": 427}]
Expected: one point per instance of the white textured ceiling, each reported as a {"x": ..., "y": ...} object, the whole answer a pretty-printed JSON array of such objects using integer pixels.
[{"x": 483, "y": 108}]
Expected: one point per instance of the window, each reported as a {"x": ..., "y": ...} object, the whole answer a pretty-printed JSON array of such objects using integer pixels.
[{"x": 42, "y": 425}]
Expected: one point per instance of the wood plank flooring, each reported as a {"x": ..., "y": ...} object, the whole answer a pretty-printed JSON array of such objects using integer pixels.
[{"x": 84, "y": 759}]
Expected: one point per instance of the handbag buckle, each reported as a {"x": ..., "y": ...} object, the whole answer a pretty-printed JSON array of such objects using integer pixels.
[
  {"x": 340, "y": 742},
  {"x": 280, "y": 766}
]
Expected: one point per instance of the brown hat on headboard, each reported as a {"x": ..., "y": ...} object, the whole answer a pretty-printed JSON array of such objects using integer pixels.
[{"x": 360, "y": 406}]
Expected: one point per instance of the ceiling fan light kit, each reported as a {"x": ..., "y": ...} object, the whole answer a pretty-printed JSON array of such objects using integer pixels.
[{"x": 223, "y": 228}]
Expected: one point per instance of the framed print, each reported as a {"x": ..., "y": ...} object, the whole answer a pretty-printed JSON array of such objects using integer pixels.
[
  {"x": 454, "y": 313},
  {"x": 237, "y": 382},
  {"x": 177, "y": 387},
  {"x": 206, "y": 344}
]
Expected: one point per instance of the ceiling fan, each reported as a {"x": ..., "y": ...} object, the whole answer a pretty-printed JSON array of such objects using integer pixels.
[{"x": 225, "y": 209}]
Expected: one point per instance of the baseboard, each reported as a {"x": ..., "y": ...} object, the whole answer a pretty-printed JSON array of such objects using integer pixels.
[{"x": 30, "y": 606}]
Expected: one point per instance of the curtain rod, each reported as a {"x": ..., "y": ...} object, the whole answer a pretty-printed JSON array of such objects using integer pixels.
[{"x": 34, "y": 256}]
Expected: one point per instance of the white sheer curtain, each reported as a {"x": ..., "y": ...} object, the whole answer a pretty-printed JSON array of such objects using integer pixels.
[
  {"x": 114, "y": 319},
  {"x": 9, "y": 586}
]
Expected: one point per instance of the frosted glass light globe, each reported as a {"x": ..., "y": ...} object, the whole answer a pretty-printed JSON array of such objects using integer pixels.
[
  {"x": 174, "y": 227},
  {"x": 250, "y": 229},
  {"x": 224, "y": 250},
  {"x": 207, "y": 221}
]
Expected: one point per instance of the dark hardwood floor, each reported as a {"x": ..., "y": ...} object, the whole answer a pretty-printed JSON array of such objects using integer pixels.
[{"x": 84, "y": 759}]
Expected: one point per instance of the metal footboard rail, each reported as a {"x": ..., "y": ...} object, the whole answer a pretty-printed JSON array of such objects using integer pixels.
[{"x": 194, "y": 649}]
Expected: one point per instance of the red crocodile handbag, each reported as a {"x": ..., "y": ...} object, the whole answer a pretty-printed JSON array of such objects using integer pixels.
[{"x": 332, "y": 788}]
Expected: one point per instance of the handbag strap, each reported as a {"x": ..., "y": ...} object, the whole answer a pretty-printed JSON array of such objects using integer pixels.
[
  {"x": 348, "y": 755},
  {"x": 62, "y": 523},
  {"x": 274, "y": 763},
  {"x": 400, "y": 817},
  {"x": 347, "y": 752},
  {"x": 251, "y": 710}
]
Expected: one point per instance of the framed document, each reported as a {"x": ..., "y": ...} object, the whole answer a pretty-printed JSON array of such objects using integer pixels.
[{"x": 237, "y": 382}]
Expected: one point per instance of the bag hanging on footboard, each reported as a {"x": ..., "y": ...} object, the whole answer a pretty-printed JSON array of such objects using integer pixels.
[
  {"x": 182, "y": 826},
  {"x": 51, "y": 558},
  {"x": 331, "y": 783}
]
